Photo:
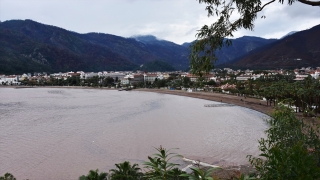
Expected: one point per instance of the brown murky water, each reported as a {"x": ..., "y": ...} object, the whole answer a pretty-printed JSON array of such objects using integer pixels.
[{"x": 63, "y": 133}]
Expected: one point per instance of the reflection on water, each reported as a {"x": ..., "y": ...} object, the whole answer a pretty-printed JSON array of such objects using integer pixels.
[{"x": 63, "y": 133}]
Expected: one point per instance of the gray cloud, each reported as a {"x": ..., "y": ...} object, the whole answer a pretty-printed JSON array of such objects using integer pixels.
[{"x": 175, "y": 21}]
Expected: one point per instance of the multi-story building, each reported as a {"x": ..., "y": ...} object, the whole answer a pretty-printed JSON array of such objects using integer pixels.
[
  {"x": 150, "y": 77},
  {"x": 132, "y": 79},
  {"x": 9, "y": 80},
  {"x": 114, "y": 75}
]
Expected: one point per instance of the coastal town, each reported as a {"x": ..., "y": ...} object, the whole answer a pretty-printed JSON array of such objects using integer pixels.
[{"x": 218, "y": 77}]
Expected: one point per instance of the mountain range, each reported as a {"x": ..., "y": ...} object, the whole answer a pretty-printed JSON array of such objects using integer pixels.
[
  {"x": 301, "y": 49},
  {"x": 29, "y": 46}
]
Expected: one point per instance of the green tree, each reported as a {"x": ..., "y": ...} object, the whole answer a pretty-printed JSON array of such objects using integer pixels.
[
  {"x": 7, "y": 176},
  {"x": 94, "y": 175},
  {"x": 160, "y": 83},
  {"x": 159, "y": 168},
  {"x": 215, "y": 36},
  {"x": 186, "y": 82},
  {"x": 125, "y": 171},
  {"x": 73, "y": 81},
  {"x": 290, "y": 151}
]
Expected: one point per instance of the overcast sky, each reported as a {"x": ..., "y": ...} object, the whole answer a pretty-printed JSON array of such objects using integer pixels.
[{"x": 172, "y": 20}]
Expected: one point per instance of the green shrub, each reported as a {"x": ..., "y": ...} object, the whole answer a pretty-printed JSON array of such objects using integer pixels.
[{"x": 290, "y": 151}]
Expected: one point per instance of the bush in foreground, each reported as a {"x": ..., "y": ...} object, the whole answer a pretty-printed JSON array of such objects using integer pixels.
[{"x": 290, "y": 151}]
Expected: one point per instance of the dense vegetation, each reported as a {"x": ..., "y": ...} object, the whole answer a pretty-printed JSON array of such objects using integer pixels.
[
  {"x": 95, "y": 81},
  {"x": 290, "y": 151},
  {"x": 302, "y": 96}
]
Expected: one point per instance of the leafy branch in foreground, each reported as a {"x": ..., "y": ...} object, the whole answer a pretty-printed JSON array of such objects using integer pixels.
[
  {"x": 290, "y": 151},
  {"x": 199, "y": 174},
  {"x": 215, "y": 36},
  {"x": 126, "y": 171},
  {"x": 94, "y": 175},
  {"x": 159, "y": 166},
  {"x": 7, "y": 176}
]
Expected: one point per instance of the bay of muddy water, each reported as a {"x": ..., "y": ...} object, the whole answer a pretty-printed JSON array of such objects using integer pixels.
[{"x": 62, "y": 133}]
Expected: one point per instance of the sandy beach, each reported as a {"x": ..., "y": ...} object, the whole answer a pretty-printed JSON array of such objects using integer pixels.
[{"x": 251, "y": 103}]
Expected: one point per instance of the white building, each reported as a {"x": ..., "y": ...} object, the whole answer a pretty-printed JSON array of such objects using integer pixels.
[
  {"x": 87, "y": 75},
  {"x": 132, "y": 79},
  {"x": 150, "y": 77},
  {"x": 9, "y": 80},
  {"x": 115, "y": 75},
  {"x": 300, "y": 77},
  {"x": 315, "y": 74},
  {"x": 243, "y": 78}
]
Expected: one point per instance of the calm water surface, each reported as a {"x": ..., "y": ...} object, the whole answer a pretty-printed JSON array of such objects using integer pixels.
[{"x": 48, "y": 133}]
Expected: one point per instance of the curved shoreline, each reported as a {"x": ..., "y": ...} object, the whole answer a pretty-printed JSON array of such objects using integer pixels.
[{"x": 251, "y": 103}]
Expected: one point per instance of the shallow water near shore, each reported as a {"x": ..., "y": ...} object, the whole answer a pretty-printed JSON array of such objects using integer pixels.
[{"x": 49, "y": 133}]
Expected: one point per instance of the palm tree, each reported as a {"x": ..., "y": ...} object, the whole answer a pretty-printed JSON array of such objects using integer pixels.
[
  {"x": 125, "y": 171},
  {"x": 94, "y": 175},
  {"x": 7, "y": 176}
]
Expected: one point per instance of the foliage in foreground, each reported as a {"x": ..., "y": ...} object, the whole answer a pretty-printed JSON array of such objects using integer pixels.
[
  {"x": 7, "y": 176},
  {"x": 290, "y": 151},
  {"x": 231, "y": 15},
  {"x": 94, "y": 175},
  {"x": 199, "y": 174},
  {"x": 126, "y": 171},
  {"x": 159, "y": 166}
]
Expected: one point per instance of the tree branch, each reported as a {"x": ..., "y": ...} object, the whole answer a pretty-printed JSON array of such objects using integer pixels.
[
  {"x": 312, "y": 3},
  {"x": 265, "y": 5}
]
